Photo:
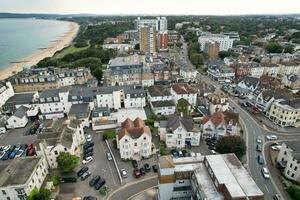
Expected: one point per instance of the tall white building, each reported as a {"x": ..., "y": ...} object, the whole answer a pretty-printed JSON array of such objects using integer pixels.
[
  {"x": 160, "y": 23},
  {"x": 6, "y": 91},
  {"x": 224, "y": 40}
]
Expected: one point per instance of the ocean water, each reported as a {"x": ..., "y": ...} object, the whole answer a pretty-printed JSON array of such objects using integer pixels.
[{"x": 20, "y": 38}]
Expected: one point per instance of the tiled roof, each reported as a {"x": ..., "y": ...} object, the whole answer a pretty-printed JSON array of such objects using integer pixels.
[
  {"x": 221, "y": 117},
  {"x": 134, "y": 129},
  {"x": 183, "y": 88}
]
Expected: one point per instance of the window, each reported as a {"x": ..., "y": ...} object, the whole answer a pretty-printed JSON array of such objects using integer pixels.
[
  {"x": 135, "y": 144},
  {"x": 291, "y": 165},
  {"x": 295, "y": 168},
  {"x": 66, "y": 149},
  {"x": 3, "y": 192},
  {"x": 288, "y": 172},
  {"x": 292, "y": 175},
  {"x": 55, "y": 152}
]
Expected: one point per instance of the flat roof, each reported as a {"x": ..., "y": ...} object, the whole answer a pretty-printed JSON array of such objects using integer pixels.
[
  {"x": 166, "y": 162},
  {"x": 18, "y": 171}
]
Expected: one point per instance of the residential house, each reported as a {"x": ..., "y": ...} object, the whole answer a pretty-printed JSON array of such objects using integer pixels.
[
  {"x": 285, "y": 113},
  {"x": 184, "y": 91},
  {"x": 188, "y": 74},
  {"x": 291, "y": 81},
  {"x": 220, "y": 72},
  {"x": 28, "y": 99},
  {"x": 218, "y": 102},
  {"x": 247, "y": 85},
  {"x": 205, "y": 89},
  {"x": 60, "y": 136},
  {"x": 179, "y": 131},
  {"x": 219, "y": 124},
  {"x": 6, "y": 91},
  {"x": 21, "y": 175},
  {"x": 289, "y": 158},
  {"x": 19, "y": 119},
  {"x": 134, "y": 140}
]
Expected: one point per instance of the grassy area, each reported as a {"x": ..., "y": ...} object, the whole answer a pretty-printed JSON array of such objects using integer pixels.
[
  {"x": 67, "y": 50},
  {"x": 109, "y": 134}
]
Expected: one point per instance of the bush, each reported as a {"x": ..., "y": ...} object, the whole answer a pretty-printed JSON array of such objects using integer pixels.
[
  {"x": 115, "y": 143},
  {"x": 232, "y": 144},
  {"x": 67, "y": 162},
  {"x": 294, "y": 192},
  {"x": 163, "y": 151},
  {"x": 55, "y": 180},
  {"x": 109, "y": 134},
  {"x": 103, "y": 190}
]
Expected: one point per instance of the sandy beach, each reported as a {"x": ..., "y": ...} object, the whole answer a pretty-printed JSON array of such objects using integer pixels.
[{"x": 62, "y": 42}]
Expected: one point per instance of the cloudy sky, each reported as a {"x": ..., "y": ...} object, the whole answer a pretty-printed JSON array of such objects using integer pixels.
[{"x": 199, "y": 7}]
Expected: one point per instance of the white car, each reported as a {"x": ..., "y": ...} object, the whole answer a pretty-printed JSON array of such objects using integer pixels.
[
  {"x": 123, "y": 173},
  {"x": 265, "y": 173},
  {"x": 87, "y": 160},
  {"x": 276, "y": 148},
  {"x": 6, "y": 147},
  {"x": 272, "y": 137},
  {"x": 88, "y": 138},
  {"x": 258, "y": 139}
]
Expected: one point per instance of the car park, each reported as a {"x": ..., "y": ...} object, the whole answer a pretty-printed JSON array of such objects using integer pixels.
[
  {"x": 265, "y": 173},
  {"x": 109, "y": 157},
  {"x": 12, "y": 154},
  {"x": 123, "y": 173},
  {"x": 137, "y": 173},
  {"x": 258, "y": 148},
  {"x": 155, "y": 168},
  {"x": 271, "y": 137},
  {"x": 94, "y": 180},
  {"x": 99, "y": 184},
  {"x": 87, "y": 160},
  {"x": 258, "y": 140},
  {"x": 134, "y": 163},
  {"x": 147, "y": 167},
  {"x": 260, "y": 159},
  {"x": 82, "y": 171},
  {"x": 89, "y": 198},
  {"x": 85, "y": 175},
  {"x": 5, "y": 156}
]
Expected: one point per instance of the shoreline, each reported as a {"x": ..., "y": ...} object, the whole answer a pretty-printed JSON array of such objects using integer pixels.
[{"x": 54, "y": 46}]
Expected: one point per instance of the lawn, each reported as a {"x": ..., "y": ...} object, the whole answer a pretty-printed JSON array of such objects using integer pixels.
[
  {"x": 109, "y": 134},
  {"x": 67, "y": 50}
]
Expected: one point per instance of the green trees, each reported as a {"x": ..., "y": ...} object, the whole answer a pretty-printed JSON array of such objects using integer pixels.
[
  {"x": 294, "y": 192},
  {"x": 42, "y": 194},
  {"x": 197, "y": 59},
  {"x": 182, "y": 106},
  {"x": 67, "y": 162},
  {"x": 232, "y": 144},
  {"x": 274, "y": 47}
]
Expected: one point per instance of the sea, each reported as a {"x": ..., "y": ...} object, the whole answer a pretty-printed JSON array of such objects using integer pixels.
[{"x": 20, "y": 38}]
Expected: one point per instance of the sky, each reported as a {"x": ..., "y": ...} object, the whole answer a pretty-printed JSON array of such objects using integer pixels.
[{"x": 152, "y": 7}]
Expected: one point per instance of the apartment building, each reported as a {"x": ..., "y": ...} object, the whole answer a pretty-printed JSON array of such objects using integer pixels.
[
  {"x": 173, "y": 37},
  {"x": 161, "y": 100},
  {"x": 212, "y": 48},
  {"x": 159, "y": 23},
  {"x": 49, "y": 78},
  {"x": 179, "y": 132},
  {"x": 289, "y": 159},
  {"x": 285, "y": 113},
  {"x": 6, "y": 91},
  {"x": 271, "y": 69},
  {"x": 20, "y": 176},
  {"x": 289, "y": 68},
  {"x": 162, "y": 40},
  {"x": 184, "y": 91},
  {"x": 148, "y": 39},
  {"x": 292, "y": 81},
  {"x": 116, "y": 97},
  {"x": 27, "y": 99},
  {"x": 224, "y": 41},
  {"x": 129, "y": 70},
  {"x": 215, "y": 177},
  {"x": 219, "y": 124},
  {"x": 59, "y": 136},
  {"x": 134, "y": 140}
]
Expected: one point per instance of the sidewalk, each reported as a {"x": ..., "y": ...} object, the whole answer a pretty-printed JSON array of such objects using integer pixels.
[{"x": 150, "y": 194}]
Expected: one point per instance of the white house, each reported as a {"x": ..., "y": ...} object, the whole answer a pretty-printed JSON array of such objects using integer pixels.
[
  {"x": 271, "y": 70},
  {"x": 289, "y": 158},
  {"x": 60, "y": 136},
  {"x": 18, "y": 119},
  {"x": 134, "y": 140},
  {"x": 20, "y": 176},
  {"x": 188, "y": 74},
  {"x": 6, "y": 91},
  {"x": 247, "y": 85},
  {"x": 219, "y": 124},
  {"x": 179, "y": 131},
  {"x": 184, "y": 91},
  {"x": 220, "y": 72},
  {"x": 54, "y": 103},
  {"x": 116, "y": 97}
]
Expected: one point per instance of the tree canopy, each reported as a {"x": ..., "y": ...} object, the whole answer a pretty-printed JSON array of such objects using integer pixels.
[
  {"x": 232, "y": 144},
  {"x": 42, "y": 194},
  {"x": 274, "y": 47},
  {"x": 67, "y": 162}
]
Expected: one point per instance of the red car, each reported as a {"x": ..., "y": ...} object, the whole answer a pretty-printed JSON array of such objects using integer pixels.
[
  {"x": 137, "y": 173},
  {"x": 30, "y": 146}
]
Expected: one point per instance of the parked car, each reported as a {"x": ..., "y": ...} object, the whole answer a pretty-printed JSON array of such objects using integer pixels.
[
  {"x": 147, "y": 167},
  {"x": 18, "y": 146},
  {"x": 109, "y": 157},
  {"x": 12, "y": 154},
  {"x": 185, "y": 153},
  {"x": 134, "y": 163},
  {"x": 174, "y": 153},
  {"x": 137, "y": 173},
  {"x": 99, "y": 184},
  {"x": 88, "y": 138},
  {"x": 155, "y": 168},
  {"x": 258, "y": 140},
  {"x": 213, "y": 152},
  {"x": 82, "y": 171},
  {"x": 143, "y": 171},
  {"x": 258, "y": 148},
  {"x": 30, "y": 152},
  {"x": 89, "y": 198},
  {"x": 212, "y": 148},
  {"x": 271, "y": 137},
  {"x": 68, "y": 178},
  {"x": 94, "y": 180},
  {"x": 88, "y": 144},
  {"x": 2, "y": 153},
  {"x": 85, "y": 175},
  {"x": 87, "y": 154},
  {"x": 87, "y": 160},
  {"x": 7, "y": 147},
  {"x": 30, "y": 146},
  {"x": 265, "y": 173},
  {"x": 6, "y": 155},
  {"x": 180, "y": 154},
  {"x": 123, "y": 173},
  {"x": 276, "y": 148},
  {"x": 260, "y": 159},
  {"x": 90, "y": 149},
  {"x": 276, "y": 197},
  {"x": 210, "y": 144}
]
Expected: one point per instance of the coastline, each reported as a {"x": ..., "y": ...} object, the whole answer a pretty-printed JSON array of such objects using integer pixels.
[{"x": 57, "y": 45}]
